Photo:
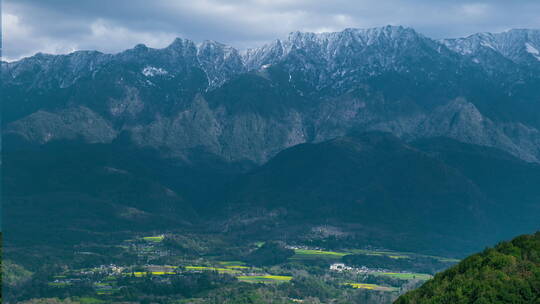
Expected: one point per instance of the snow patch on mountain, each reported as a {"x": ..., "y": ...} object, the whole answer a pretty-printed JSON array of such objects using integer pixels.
[
  {"x": 151, "y": 71},
  {"x": 531, "y": 49}
]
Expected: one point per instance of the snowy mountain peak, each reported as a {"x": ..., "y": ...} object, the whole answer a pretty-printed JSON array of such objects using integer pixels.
[
  {"x": 352, "y": 35},
  {"x": 210, "y": 47},
  {"x": 517, "y": 45},
  {"x": 219, "y": 61},
  {"x": 326, "y": 46}
]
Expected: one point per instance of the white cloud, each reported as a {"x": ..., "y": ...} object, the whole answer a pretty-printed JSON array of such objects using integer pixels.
[
  {"x": 20, "y": 39},
  {"x": 476, "y": 9},
  {"x": 115, "y": 38}
]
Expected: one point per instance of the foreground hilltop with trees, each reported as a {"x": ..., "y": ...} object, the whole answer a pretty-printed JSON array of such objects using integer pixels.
[{"x": 508, "y": 273}]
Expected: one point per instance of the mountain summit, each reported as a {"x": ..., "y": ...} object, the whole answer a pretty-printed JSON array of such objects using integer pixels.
[
  {"x": 521, "y": 46},
  {"x": 306, "y": 88}
]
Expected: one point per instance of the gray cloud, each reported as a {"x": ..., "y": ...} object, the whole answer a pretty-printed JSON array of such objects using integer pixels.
[{"x": 60, "y": 26}]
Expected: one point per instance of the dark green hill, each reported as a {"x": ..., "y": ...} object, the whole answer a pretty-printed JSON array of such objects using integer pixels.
[
  {"x": 508, "y": 182},
  {"x": 431, "y": 195},
  {"x": 70, "y": 191},
  {"x": 508, "y": 273},
  {"x": 373, "y": 181},
  {"x": 437, "y": 196}
]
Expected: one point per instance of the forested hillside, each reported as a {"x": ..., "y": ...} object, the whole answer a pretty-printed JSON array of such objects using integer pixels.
[{"x": 508, "y": 273}]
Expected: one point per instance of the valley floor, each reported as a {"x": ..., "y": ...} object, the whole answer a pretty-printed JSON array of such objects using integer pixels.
[{"x": 188, "y": 268}]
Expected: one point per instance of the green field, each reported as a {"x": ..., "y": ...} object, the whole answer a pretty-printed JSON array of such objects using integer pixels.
[
  {"x": 59, "y": 276},
  {"x": 107, "y": 292},
  {"x": 446, "y": 260},
  {"x": 62, "y": 284},
  {"x": 371, "y": 287},
  {"x": 140, "y": 274},
  {"x": 405, "y": 276},
  {"x": 390, "y": 254},
  {"x": 307, "y": 254},
  {"x": 402, "y": 255},
  {"x": 304, "y": 254},
  {"x": 265, "y": 279},
  {"x": 88, "y": 300},
  {"x": 238, "y": 267},
  {"x": 232, "y": 263},
  {"x": 155, "y": 239},
  {"x": 207, "y": 268}
]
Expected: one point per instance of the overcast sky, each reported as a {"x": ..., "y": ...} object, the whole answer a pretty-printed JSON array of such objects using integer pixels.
[{"x": 62, "y": 26}]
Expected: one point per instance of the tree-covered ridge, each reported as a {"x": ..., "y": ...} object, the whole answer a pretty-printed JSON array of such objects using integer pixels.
[{"x": 508, "y": 273}]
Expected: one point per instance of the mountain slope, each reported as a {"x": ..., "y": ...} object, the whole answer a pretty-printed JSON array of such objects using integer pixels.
[
  {"x": 508, "y": 273},
  {"x": 332, "y": 63},
  {"x": 511, "y": 184},
  {"x": 373, "y": 185},
  {"x": 517, "y": 45},
  {"x": 71, "y": 191},
  {"x": 306, "y": 88},
  {"x": 373, "y": 181}
]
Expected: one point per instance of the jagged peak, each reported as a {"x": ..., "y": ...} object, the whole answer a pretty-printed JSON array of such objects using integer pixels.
[
  {"x": 366, "y": 36},
  {"x": 45, "y": 58},
  {"x": 210, "y": 50},
  {"x": 522, "y": 31},
  {"x": 180, "y": 43},
  {"x": 140, "y": 46},
  {"x": 391, "y": 31},
  {"x": 326, "y": 43},
  {"x": 518, "y": 45},
  {"x": 212, "y": 44},
  {"x": 515, "y": 33}
]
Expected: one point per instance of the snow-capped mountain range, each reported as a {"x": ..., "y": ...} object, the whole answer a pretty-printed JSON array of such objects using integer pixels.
[{"x": 482, "y": 89}]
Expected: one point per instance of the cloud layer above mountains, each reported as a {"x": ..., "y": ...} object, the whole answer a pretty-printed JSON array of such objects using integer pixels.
[{"x": 62, "y": 26}]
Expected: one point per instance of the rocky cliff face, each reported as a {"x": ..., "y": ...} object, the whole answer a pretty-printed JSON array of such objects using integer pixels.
[{"x": 309, "y": 87}]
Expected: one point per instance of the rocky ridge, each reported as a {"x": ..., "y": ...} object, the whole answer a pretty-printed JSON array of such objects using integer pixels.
[{"x": 307, "y": 88}]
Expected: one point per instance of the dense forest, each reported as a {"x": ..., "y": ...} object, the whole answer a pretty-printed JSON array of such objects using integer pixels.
[{"x": 508, "y": 273}]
